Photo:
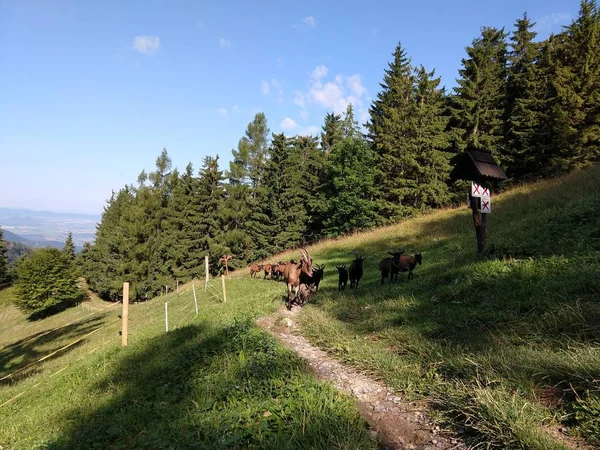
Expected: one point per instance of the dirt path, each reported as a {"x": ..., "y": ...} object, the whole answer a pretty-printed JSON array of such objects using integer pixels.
[{"x": 399, "y": 424}]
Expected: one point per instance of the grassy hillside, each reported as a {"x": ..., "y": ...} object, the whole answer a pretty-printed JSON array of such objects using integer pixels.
[
  {"x": 214, "y": 380},
  {"x": 506, "y": 346}
]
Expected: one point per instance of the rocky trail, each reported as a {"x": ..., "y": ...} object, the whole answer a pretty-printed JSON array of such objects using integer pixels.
[{"x": 397, "y": 423}]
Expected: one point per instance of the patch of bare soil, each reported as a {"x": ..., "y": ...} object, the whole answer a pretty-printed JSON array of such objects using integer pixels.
[{"x": 397, "y": 423}]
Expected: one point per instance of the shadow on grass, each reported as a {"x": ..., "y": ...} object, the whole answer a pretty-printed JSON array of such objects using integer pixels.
[
  {"x": 199, "y": 387},
  {"x": 28, "y": 350}
]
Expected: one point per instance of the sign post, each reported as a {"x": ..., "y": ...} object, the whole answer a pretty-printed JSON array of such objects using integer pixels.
[
  {"x": 481, "y": 205},
  {"x": 125, "y": 314}
]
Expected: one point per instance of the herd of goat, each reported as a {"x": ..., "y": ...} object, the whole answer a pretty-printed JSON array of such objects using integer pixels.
[{"x": 301, "y": 277}]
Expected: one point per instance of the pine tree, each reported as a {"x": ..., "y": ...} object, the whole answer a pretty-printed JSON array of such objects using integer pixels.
[
  {"x": 350, "y": 200},
  {"x": 573, "y": 93},
  {"x": 350, "y": 126},
  {"x": 427, "y": 181},
  {"x": 247, "y": 192},
  {"x": 4, "y": 272},
  {"x": 69, "y": 248},
  {"x": 523, "y": 95},
  {"x": 332, "y": 131},
  {"x": 389, "y": 115},
  {"x": 479, "y": 102},
  {"x": 211, "y": 197}
]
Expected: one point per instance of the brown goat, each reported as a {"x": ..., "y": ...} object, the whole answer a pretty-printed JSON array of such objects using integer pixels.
[
  {"x": 254, "y": 269},
  {"x": 268, "y": 270},
  {"x": 342, "y": 277},
  {"x": 355, "y": 271},
  {"x": 278, "y": 270},
  {"x": 408, "y": 263},
  {"x": 297, "y": 273},
  {"x": 389, "y": 266}
]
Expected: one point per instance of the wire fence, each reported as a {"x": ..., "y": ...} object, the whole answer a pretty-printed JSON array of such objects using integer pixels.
[{"x": 143, "y": 318}]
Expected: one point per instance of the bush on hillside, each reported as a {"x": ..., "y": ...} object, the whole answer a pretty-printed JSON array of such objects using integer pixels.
[{"x": 46, "y": 282}]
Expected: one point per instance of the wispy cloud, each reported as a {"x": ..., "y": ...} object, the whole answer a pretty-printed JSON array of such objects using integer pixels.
[
  {"x": 288, "y": 124},
  {"x": 147, "y": 45},
  {"x": 552, "y": 22},
  {"x": 265, "y": 88},
  {"x": 223, "y": 112},
  {"x": 223, "y": 43},
  {"x": 306, "y": 23},
  {"x": 279, "y": 62}
]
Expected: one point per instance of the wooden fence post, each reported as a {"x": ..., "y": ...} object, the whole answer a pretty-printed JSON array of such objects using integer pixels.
[
  {"x": 195, "y": 300},
  {"x": 125, "y": 315},
  {"x": 224, "y": 293},
  {"x": 206, "y": 271},
  {"x": 167, "y": 316}
]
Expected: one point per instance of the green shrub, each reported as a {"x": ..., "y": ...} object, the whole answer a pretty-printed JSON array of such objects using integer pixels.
[{"x": 46, "y": 282}]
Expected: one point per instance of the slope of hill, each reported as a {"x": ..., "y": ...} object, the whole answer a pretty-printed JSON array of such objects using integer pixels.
[{"x": 505, "y": 347}]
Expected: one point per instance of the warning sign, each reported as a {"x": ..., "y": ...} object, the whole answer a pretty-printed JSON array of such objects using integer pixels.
[
  {"x": 479, "y": 191},
  {"x": 486, "y": 205}
]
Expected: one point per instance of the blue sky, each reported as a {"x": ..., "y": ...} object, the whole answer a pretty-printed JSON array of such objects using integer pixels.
[{"x": 90, "y": 92}]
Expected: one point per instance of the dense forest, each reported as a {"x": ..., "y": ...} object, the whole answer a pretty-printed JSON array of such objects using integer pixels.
[{"x": 535, "y": 105}]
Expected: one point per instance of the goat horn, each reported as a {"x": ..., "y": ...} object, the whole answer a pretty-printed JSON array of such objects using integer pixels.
[{"x": 355, "y": 254}]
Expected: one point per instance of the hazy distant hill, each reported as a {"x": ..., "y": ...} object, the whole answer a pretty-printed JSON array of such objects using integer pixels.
[{"x": 47, "y": 228}]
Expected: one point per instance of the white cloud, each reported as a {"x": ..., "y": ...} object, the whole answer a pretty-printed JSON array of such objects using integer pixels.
[
  {"x": 265, "y": 88},
  {"x": 319, "y": 72},
  {"x": 355, "y": 85},
  {"x": 332, "y": 95},
  {"x": 288, "y": 124},
  {"x": 223, "y": 112},
  {"x": 310, "y": 21},
  {"x": 551, "y": 22},
  {"x": 236, "y": 109},
  {"x": 224, "y": 43},
  {"x": 312, "y": 130},
  {"x": 304, "y": 114},
  {"x": 300, "y": 98},
  {"x": 279, "y": 62},
  {"x": 276, "y": 86},
  {"x": 306, "y": 23},
  {"x": 147, "y": 45},
  {"x": 363, "y": 115}
]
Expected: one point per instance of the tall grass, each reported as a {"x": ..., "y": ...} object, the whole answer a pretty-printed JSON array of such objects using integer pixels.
[
  {"x": 515, "y": 331},
  {"x": 212, "y": 381}
]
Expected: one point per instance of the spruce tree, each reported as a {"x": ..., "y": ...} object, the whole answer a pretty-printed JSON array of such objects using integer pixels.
[
  {"x": 426, "y": 181},
  {"x": 574, "y": 92},
  {"x": 332, "y": 131},
  {"x": 69, "y": 248},
  {"x": 350, "y": 126},
  {"x": 350, "y": 199},
  {"x": 390, "y": 115},
  {"x": 523, "y": 96},
  {"x": 478, "y": 108},
  {"x": 211, "y": 196},
  {"x": 4, "y": 272}
]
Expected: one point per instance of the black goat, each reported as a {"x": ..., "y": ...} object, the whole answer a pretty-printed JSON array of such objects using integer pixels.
[
  {"x": 389, "y": 266},
  {"x": 343, "y": 277},
  {"x": 355, "y": 271},
  {"x": 317, "y": 276}
]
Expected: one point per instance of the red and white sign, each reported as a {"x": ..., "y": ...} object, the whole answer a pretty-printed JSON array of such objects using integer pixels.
[
  {"x": 479, "y": 191},
  {"x": 486, "y": 205}
]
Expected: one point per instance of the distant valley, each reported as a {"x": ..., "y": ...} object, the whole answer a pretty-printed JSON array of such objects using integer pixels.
[{"x": 45, "y": 228}]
